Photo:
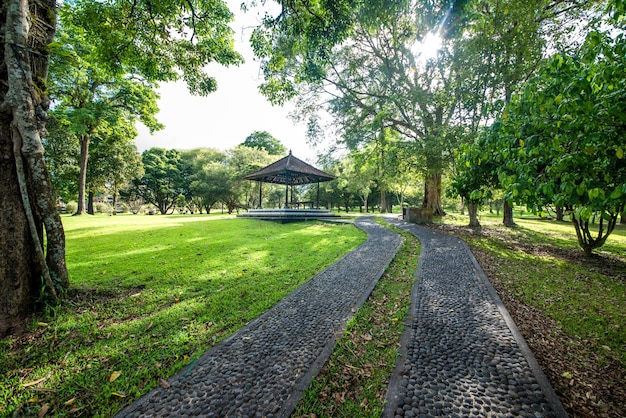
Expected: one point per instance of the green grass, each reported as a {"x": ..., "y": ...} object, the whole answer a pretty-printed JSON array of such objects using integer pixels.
[
  {"x": 353, "y": 383},
  {"x": 539, "y": 263},
  {"x": 149, "y": 295}
]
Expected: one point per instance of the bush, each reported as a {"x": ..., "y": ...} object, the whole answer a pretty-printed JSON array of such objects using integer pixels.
[
  {"x": 71, "y": 207},
  {"x": 103, "y": 207}
]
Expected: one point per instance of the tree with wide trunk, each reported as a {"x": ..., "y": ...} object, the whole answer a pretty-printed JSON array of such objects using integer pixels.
[{"x": 29, "y": 216}]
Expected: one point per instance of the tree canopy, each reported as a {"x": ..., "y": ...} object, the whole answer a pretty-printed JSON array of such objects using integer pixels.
[
  {"x": 264, "y": 140},
  {"x": 562, "y": 138}
]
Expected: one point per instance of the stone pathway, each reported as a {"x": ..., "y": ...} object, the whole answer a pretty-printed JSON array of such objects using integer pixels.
[
  {"x": 462, "y": 355},
  {"x": 262, "y": 369}
]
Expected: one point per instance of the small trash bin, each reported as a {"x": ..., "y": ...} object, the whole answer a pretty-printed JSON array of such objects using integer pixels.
[{"x": 419, "y": 216}]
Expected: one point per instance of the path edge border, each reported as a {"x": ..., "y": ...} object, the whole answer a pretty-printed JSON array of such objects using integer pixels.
[{"x": 542, "y": 379}]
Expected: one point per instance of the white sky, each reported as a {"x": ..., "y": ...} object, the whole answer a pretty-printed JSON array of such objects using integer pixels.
[{"x": 226, "y": 117}]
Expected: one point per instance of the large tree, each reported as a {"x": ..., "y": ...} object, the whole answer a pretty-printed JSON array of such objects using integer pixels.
[
  {"x": 382, "y": 79},
  {"x": 166, "y": 177},
  {"x": 209, "y": 179},
  {"x": 377, "y": 68},
  {"x": 159, "y": 40},
  {"x": 91, "y": 98},
  {"x": 563, "y": 139}
]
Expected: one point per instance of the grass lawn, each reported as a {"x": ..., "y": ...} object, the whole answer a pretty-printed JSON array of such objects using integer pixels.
[{"x": 149, "y": 295}]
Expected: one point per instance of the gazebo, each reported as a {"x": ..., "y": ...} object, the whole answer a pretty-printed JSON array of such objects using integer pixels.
[{"x": 289, "y": 171}]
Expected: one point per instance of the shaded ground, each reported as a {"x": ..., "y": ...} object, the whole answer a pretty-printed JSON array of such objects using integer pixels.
[{"x": 588, "y": 386}]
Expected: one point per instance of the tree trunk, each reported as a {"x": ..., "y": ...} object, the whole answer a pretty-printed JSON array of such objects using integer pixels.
[
  {"x": 82, "y": 177},
  {"x": 90, "y": 209},
  {"x": 508, "y": 214},
  {"x": 114, "y": 200},
  {"x": 28, "y": 207},
  {"x": 432, "y": 194},
  {"x": 472, "y": 210},
  {"x": 559, "y": 213},
  {"x": 383, "y": 200}
]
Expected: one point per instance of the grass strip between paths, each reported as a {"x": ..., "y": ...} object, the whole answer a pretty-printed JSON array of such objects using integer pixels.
[{"x": 353, "y": 383}]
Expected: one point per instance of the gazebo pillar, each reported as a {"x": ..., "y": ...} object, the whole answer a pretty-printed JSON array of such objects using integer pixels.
[
  {"x": 286, "y": 195},
  {"x": 260, "y": 195},
  {"x": 317, "y": 204}
]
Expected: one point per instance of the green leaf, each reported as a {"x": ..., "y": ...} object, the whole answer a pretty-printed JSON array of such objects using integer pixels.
[
  {"x": 585, "y": 213},
  {"x": 617, "y": 193}
]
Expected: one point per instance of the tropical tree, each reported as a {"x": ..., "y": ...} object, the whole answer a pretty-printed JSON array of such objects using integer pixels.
[
  {"x": 264, "y": 140},
  {"x": 209, "y": 178},
  {"x": 383, "y": 71},
  {"x": 166, "y": 177},
  {"x": 114, "y": 161},
  {"x": 563, "y": 138},
  {"x": 160, "y": 40},
  {"x": 91, "y": 99},
  {"x": 475, "y": 176}
]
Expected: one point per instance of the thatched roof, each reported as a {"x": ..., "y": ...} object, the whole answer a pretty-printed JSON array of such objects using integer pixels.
[{"x": 289, "y": 170}]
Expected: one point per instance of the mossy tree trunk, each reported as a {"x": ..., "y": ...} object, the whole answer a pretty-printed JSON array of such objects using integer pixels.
[{"x": 29, "y": 216}]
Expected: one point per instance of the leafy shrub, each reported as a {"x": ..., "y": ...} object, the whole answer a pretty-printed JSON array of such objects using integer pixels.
[{"x": 71, "y": 207}]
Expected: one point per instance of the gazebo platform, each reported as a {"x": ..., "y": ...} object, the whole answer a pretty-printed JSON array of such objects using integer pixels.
[{"x": 289, "y": 215}]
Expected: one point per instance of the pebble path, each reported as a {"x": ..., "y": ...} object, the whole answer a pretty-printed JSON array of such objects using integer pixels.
[
  {"x": 263, "y": 368},
  {"x": 462, "y": 355}
]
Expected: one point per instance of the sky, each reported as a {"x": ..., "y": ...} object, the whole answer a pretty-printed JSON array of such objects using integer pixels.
[{"x": 226, "y": 117}]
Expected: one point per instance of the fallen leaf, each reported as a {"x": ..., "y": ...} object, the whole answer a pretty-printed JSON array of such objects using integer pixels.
[
  {"x": 42, "y": 324},
  {"x": 119, "y": 394},
  {"x": 149, "y": 326},
  {"x": 164, "y": 383},
  {"x": 367, "y": 337},
  {"x": 34, "y": 399},
  {"x": 71, "y": 401},
  {"x": 44, "y": 410},
  {"x": 114, "y": 376}
]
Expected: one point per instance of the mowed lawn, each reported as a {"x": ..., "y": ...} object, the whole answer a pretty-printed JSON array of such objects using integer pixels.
[{"x": 149, "y": 295}]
